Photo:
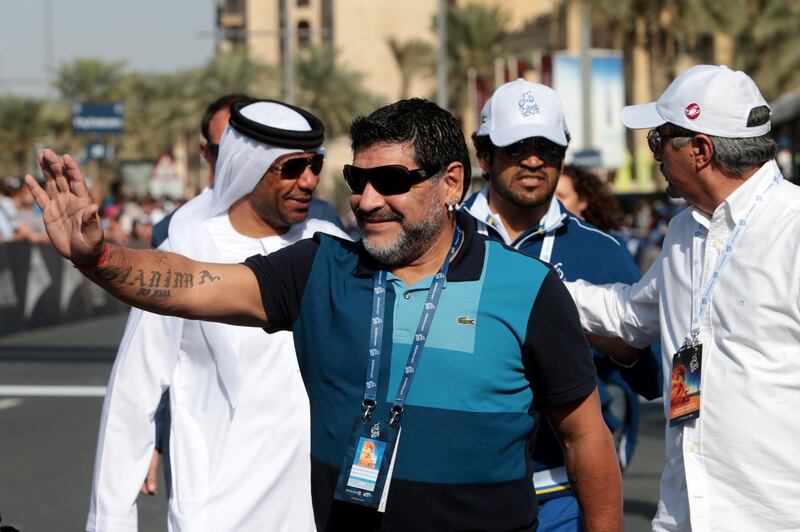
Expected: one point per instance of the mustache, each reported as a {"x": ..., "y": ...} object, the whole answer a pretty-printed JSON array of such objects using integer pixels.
[
  {"x": 386, "y": 214},
  {"x": 531, "y": 173}
]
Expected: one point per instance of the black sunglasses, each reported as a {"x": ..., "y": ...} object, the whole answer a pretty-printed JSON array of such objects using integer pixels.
[
  {"x": 294, "y": 168},
  {"x": 545, "y": 149},
  {"x": 655, "y": 138},
  {"x": 386, "y": 180}
]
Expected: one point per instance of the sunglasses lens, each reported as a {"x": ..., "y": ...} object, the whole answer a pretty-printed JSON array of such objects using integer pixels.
[
  {"x": 294, "y": 168},
  {"x": 213, "y": 149},
  {"x": 391, "y": 180},
  {"x": 316, "y": 164},
  {"x": 355, "y": 178},
  {"x": 544, "y": 149},
  {"x": 386, "y": 180},
  {"x": 653, "y": 140}
]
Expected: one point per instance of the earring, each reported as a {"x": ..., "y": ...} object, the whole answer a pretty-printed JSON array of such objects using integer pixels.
[{"x": 451, "y": 208}]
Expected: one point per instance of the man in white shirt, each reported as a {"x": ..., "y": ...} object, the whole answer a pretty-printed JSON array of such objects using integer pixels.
[
  {"x": 723, "y": 296},
  {"x": 240, "y": 417}
]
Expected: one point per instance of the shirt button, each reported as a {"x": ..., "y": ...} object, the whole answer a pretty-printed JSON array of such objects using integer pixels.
[
  {"x": 692, "y": 448},
  {"x": 407, "y": 295}
]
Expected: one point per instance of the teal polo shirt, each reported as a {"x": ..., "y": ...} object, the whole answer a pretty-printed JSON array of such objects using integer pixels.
[{"x": 504, "y": 343}]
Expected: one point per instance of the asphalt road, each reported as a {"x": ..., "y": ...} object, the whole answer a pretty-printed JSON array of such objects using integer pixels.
[{"x": 51, "y": 394}]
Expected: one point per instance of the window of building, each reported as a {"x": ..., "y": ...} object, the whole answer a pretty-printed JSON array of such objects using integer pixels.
[{"x": 303, "y": 34}]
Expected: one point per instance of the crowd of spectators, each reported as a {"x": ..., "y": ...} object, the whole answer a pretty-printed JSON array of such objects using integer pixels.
[{"x": 20, "y": 217}]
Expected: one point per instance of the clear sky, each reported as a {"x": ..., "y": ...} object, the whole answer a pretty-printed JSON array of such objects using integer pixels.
[{"x": 150, "y": 35}]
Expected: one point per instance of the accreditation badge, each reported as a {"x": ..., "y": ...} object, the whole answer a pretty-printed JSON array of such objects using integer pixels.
[
  {"x": 684, "y": 402},
  {"x": 367, "y": 468}
]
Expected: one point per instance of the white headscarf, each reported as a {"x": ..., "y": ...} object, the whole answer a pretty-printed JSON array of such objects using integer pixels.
[{"x": 241, "y": 164}]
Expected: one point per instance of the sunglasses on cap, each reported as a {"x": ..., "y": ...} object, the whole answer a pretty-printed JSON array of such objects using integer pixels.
[
  {"x": 294, "y": 168},
  {"x": 655, "y": 138},
  {"x": 546, "y": 150},
  {"x": 386, "y": 180}
]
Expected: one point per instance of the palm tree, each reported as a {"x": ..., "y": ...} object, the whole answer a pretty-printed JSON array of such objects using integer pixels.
[
  {"x": 236, "y": 72},
  {"x": 22, "y": 119},
  {"x": 475, "y": 37},
  {"x": 767, "y": 43},
  {"x": 90, "y": 80},
  {"x": 330, "y": 90},
  {"x": 413, "y": 57}
]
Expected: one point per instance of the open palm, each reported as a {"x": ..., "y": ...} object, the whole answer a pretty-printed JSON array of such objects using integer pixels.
[{"x": 69, "y": 215}]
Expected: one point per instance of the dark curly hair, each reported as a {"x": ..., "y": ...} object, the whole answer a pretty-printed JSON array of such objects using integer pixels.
[
  {"x": 433, "y": 132},
  {"x": 603, "y": 210}
]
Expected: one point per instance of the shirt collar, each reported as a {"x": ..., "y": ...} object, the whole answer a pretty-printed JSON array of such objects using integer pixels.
[
  {"x": 739, "y": 200},
  {"x": 737, "y": 203},
  {"x": 466, "y": 266},
  {"x": 478, "y": 207}
]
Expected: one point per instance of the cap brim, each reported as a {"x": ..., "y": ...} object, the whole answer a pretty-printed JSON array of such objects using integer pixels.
[
  {"x": 510, "y": 135},
  {"x": 643, "y": 116}
]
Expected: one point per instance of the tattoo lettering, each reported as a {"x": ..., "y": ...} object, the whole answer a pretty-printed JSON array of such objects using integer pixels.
[
  {"x": 128, "y": 271},
  {"x": 183, "y": 280},
  {"x": 139, "y": 278},
  {"x": 155, "y": 279},
  {"x": 143, "y": 292},
  {"x": 205, "y": 275},
  {"x": 168, "y": 278},
  {"x": 161, "y": 293}
]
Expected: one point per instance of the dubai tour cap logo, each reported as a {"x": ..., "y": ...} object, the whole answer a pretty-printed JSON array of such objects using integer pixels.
[
  {"x": 527, "y": 104},
  {"x": 692, "y": 111}
]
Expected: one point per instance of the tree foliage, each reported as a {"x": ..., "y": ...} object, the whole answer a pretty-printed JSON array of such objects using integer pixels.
[
  {"x": 414, "y": 57},
  {"x": 475, "y": 37},
  {"x": 331, "y": 90},
  {"x": 22, "y": 125}
]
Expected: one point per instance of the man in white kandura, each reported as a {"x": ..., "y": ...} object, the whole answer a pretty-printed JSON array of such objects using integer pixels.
[{"x": 240, "y": 415}]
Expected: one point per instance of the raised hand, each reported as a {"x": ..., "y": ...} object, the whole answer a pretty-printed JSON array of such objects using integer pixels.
[{"x": 69, "y": 215}]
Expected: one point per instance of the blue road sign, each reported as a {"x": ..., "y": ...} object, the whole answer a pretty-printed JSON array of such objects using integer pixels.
[{"x": 98, "y": 118}]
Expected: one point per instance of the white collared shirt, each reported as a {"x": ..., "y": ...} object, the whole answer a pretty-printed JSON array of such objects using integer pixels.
[{"x": 736, "y": 467}]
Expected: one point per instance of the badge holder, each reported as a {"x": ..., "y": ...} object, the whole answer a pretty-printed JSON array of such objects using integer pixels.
[
  {"x": 684, "y": 404},
  {"x": 366, "y": 472}
]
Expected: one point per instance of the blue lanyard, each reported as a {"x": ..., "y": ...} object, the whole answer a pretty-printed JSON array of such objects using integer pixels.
[
  {"x": 754, "y": 207},
  {"x": 376, "y": 336}
]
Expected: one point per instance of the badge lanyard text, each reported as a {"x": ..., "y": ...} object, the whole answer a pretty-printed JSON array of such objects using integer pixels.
[
  {"x": 376, "y": 336},
  {"x": 700, "y": 309}
]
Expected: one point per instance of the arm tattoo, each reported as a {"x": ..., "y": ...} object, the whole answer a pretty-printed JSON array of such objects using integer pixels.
[{"x": 154, "y": 283}]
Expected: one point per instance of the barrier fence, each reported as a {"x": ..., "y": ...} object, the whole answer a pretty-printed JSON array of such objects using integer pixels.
[{"x": 38, "y": 288}]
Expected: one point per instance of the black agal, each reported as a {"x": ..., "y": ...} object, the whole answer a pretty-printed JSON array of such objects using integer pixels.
[{"x": 283, "y": 138}]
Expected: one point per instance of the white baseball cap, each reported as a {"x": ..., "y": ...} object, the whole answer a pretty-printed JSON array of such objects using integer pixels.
[
  {"x": 522, "y": 109},
  {"x": 709, "y": 99}
]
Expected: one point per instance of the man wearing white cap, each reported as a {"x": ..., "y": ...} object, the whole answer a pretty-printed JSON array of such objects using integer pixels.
[
  {"x": 723, "y": 296},
  {"x": 240, "y": 421},
  {"x": 521, "y": 145}
]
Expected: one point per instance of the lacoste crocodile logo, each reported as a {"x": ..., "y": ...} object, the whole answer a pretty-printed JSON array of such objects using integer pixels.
[{"x": 465, "y": 320}]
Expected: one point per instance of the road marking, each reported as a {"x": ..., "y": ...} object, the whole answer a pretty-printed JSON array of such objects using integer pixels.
[
  {"x": 9, "y": 403},
  {"x": 52, "y": 391}
]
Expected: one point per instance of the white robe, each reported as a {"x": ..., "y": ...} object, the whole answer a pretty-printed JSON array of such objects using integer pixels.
[{"x": 237, "y": 463}]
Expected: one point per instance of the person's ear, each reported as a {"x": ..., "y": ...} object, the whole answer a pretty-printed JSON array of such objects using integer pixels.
[
  {"x": 702, "y": 150},
  {"x": 453, "y": 182}
]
